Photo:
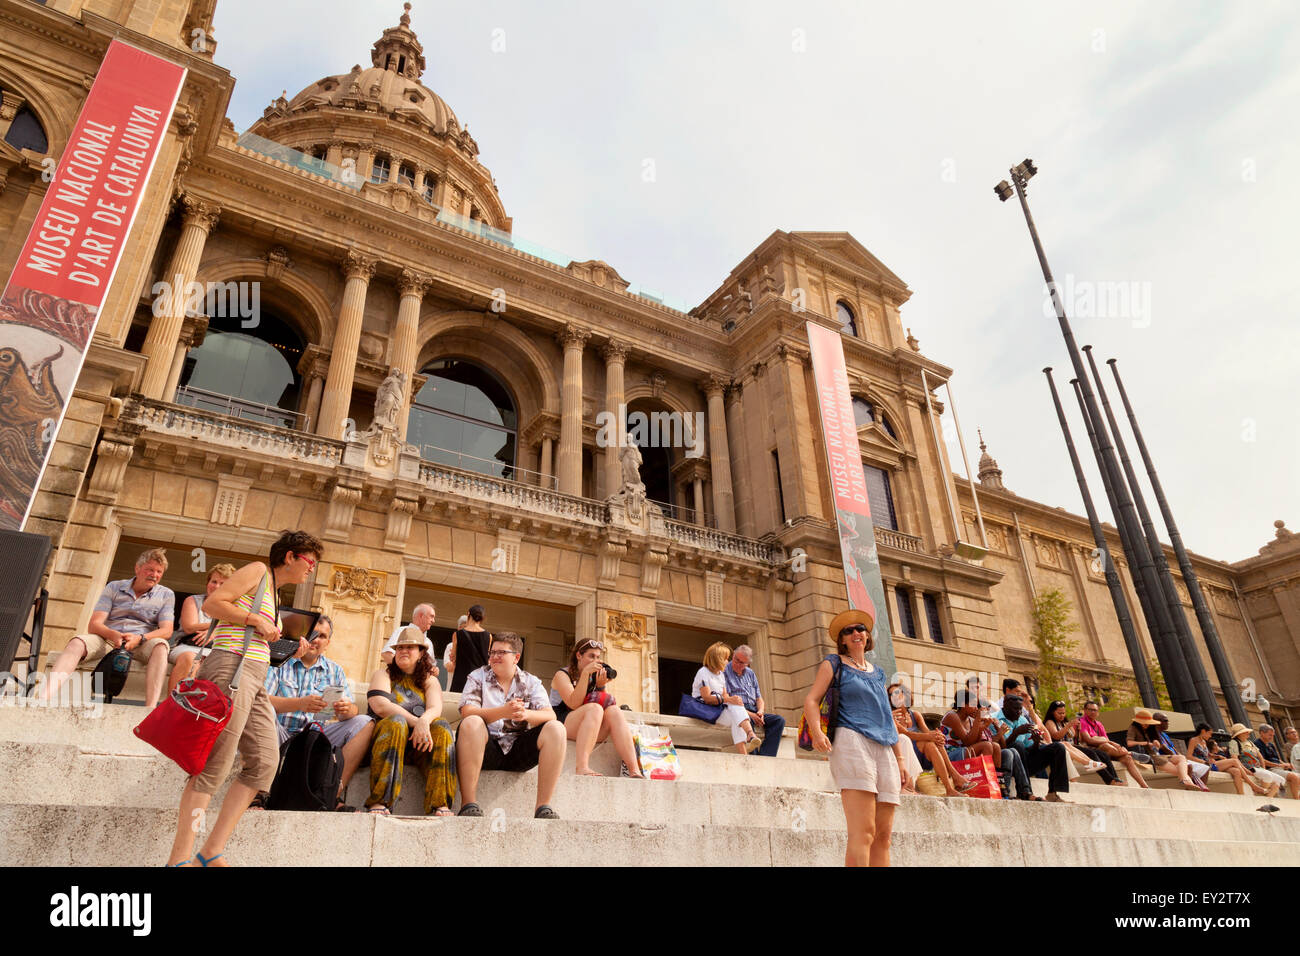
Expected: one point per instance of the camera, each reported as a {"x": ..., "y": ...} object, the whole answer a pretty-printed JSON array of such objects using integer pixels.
[{"x": 610, "y": 674}]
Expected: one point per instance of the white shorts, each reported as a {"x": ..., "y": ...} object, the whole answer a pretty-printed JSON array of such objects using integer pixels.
[
  {"x": 859, "y": 763},
  {"x": 175, "y": 653}
]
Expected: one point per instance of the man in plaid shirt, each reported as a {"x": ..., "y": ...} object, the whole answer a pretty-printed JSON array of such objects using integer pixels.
[{"x": 297, "y": 688}]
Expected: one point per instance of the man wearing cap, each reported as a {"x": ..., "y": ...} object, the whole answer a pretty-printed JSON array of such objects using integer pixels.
[
  {"x": 742, "y": 680},
  {"x": 297, "y": 690},
  {"x": 866, "y": 751},
  {"x": 1273, "y": 760}
]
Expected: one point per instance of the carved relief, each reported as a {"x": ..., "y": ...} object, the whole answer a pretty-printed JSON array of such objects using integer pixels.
[
  {"x": 1047, "y": 552},
  {"x": 713, "y": 590},
  {"x": 625, "y": 630},
  {"x": 358, "y": 583},
  {"x": 228, "y": 506}
]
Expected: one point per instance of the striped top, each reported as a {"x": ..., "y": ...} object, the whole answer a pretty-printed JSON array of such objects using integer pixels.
[{"x": 230, "y": 637}]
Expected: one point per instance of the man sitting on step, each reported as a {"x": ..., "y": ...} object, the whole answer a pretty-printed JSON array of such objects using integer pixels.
[
  {"x": 507, "y": 724},
  {"x": 135, "y": 613},
  {"x": 1293, "y": 745},
  {"x": 1268, "y": 749},
  {"x": 742, "y": 680},
  {"x": 1036, "y": 752},
  {"x": 314, "y": 688}
]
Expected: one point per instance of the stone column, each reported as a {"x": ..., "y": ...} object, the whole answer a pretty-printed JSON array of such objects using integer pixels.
[
  {"x": 311, "y": 413},
  {"x": 545, "y": 466},
  {"x": 724, "y": 505},
  {"x": 164, "y": 332},
  {"x": 412, "y": 286},
  {"x": 347, "y": 337},
  {"x": 891, "y": 606},
  {"x": 918, "y": 614},
  {"x": 615, "y": 354},
  {"x": 190, "y": 338},
  {"x": 697, "y": 484},
  {"x": 743, "y": 501},
  {"x": 569, "y": 466}
]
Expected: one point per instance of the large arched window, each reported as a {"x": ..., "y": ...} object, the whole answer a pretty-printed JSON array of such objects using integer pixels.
[
  {"x": 465, "y": 417},
  {"x": 25, "y": 132},
  {"x": 844, "y": 315},
  {"x": 246, "y": 372}
]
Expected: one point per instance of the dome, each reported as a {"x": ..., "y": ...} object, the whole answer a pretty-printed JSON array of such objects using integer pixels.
[{"x": 400, "y": 134}]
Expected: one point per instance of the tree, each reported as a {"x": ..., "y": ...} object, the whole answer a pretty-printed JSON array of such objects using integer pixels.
[{"x": 1051, "y": 635}]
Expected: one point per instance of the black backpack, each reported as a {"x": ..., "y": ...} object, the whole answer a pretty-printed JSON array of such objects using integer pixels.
[
  {"x": 311, "y": 769},
  {"x": 113, "y": 668}
]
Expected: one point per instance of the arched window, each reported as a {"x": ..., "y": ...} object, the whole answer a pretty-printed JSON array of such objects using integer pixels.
[
  {"x": 465, "y": 417},
  {"x": 249, "y": 373},
  {"x": 864, "y": 413},
  {"x": 880, "y": 496},
  {"x": 844, "y": 315},
  {"x": 26, "y": 132}
]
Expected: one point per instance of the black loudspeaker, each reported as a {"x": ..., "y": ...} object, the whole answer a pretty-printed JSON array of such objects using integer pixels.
[{"x": 22, "y": 562}]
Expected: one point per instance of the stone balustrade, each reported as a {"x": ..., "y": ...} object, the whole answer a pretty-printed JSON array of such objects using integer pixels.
[
  {"x": 231, "y": 433},
  {"x": 511, "y": 494},
  {"x": 898, "y": 540},
  {"x": 710, "y": 540}
]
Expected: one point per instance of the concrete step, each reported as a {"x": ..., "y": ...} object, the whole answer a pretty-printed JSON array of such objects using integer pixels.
[
  {"x": 74, "y": 835},
  {"x": 63, "y": 774}
]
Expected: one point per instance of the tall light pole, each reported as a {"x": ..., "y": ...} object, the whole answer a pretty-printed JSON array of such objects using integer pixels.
[{"x": 1162, "y": 636}]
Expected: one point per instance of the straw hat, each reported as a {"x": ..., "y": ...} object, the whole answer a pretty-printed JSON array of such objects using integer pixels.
[
  {"x": 411, "y": 635},
  {"x": 852, "y": 616},
  {"x": 1144, "y": 717},
  {"x": 1236, "y": 730}
]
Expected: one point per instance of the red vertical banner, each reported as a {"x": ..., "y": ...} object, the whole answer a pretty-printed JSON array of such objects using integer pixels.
[
  {"x": 51, "y": 302},
  {"x": 849, "y": 487}
]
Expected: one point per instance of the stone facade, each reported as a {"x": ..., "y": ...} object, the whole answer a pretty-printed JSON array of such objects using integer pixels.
[{"x": 393, "y": 266}]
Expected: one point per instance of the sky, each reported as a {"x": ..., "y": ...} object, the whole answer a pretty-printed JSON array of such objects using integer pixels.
[{"x": 1165, "y": 199}]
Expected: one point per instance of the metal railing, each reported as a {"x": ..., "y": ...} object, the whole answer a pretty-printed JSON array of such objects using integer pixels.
[
  {"x": 239, "y": 408},
  {"x": 899, "y": 540},
  {"x": 492, "y": 467},
  {"x": 199, "y": 425},
  {"x": 685, "y": 515},
  {"x": 510, "y": 494}
]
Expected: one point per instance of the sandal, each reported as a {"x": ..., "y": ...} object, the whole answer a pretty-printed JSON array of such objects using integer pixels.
[
  {"x": 443, "y": 812},
  {"x": 544, "y": 812},
  {"x": 380, "y": 810},
  {"x": 589, "y": 773},
  {"x": 470, "y": 810},
  {"x": 204, "y": 861}
]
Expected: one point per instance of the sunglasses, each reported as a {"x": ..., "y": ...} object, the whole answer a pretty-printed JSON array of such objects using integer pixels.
[
  {"x": 852, "y": 628},
  {"x": 588, "y": 645}
]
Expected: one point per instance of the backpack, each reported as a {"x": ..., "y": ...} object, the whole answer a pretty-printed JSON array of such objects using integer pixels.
[
  {"x": 311, "y": 769},
  {"x": 113, "y": 668}
]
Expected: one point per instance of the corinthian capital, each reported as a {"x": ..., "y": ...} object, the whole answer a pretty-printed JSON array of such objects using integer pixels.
[
  {"x": 614, "y": 351},
  {"x": 356, "y": 265},
  {"x": 572, "y": 336},
  {"x": 413, "y": 283},
  {"x": 714, "y": 384},
  {"x": 199, "y": 213}
]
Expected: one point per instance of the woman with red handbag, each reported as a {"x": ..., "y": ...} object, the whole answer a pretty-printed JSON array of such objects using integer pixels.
[
  {"x": 867, "y": 759},
  {"x": 245, "y": 609}
]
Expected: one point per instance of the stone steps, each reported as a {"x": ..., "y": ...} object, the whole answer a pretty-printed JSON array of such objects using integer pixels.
[{"x": 75, "y": 835}]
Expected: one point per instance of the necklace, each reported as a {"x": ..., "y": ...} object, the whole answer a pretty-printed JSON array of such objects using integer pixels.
[{"x": 855, "y": 665}]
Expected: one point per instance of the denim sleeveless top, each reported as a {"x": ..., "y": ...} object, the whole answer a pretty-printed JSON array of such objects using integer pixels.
[{"x": 864, "y": 706}]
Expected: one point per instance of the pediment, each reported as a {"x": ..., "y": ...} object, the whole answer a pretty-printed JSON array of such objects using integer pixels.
[{"x": 842, "y": 245}]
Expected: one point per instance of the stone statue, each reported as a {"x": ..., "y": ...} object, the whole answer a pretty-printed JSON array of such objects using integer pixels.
[
  {"x": 388, "y": 400},
  {"x": 630, "y": 459}
]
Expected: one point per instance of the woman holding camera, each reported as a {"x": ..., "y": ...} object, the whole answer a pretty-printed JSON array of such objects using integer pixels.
[
  {"x": 406, "y": 701},
  {"x": 590, "y": 713}
]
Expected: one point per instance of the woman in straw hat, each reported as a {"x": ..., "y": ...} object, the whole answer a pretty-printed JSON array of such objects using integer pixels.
[
  {"x": 867, "y": 759},
  {"x": 1241, "y": 747},
  {"x": 1144, "y": 738}
]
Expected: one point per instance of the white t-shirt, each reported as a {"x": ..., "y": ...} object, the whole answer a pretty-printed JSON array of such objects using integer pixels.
[{"x": 716, "y": 683}]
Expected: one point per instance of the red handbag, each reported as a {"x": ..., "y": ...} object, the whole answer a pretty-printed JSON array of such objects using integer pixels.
[
  {"x": 185, "y": 726},
  {"x": 980, "y": 769}
]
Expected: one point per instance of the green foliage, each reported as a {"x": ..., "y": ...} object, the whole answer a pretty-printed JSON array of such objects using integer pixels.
[
  {"x": 1051, "y": 635},
  {"x": 1127, "y": 695}
]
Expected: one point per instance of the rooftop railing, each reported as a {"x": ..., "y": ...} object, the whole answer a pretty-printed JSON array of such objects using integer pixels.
[
  {"x": 232, "y": 433},
  {"x": 510, "y": 494},
  {"x": 300, "y": 160}
]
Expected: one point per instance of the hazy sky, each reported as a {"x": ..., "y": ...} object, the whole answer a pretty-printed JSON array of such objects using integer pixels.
[{"x": 1160, "y": 129}]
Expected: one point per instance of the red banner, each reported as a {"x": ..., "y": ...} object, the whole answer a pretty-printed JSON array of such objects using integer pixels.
[
  {"x": 51, "y": 302},
  {"x": 849, "y": 487}
]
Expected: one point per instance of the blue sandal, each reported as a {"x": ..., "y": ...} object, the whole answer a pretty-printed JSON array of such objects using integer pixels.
[{"x": 204, "y": 861}]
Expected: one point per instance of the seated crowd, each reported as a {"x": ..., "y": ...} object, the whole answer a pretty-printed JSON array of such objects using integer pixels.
[{"x": 509, "y": 721}]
